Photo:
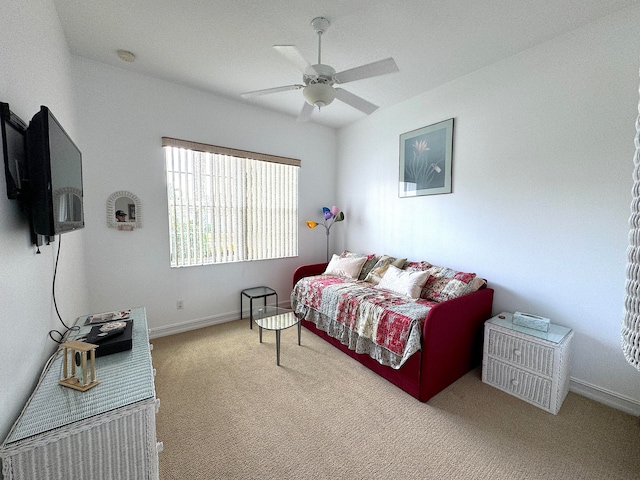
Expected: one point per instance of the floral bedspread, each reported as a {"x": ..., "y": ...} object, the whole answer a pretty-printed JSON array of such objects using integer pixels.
[{"x": 385, "y": 325}]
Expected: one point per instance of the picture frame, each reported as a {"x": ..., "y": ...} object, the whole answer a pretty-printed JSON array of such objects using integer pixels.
[{"x": 425, "y": 160}]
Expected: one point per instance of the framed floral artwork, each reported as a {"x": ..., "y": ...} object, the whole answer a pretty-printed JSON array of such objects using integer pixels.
[{"x": 425, "y": 160}]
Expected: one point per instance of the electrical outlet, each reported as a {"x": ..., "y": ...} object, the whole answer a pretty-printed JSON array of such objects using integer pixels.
[{"x": 180, "y": 304}]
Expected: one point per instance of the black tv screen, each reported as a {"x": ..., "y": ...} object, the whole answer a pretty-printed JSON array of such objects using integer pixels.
[{"x": 55, "y": 177}]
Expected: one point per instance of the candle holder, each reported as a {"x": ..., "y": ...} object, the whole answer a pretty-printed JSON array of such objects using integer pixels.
[{"x": 78, "y": 371}]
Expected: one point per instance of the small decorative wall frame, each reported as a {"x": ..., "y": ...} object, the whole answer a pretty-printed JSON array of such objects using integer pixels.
[
  {"x": 425, "y": 160},
  {"x": 124, "y": 211}
]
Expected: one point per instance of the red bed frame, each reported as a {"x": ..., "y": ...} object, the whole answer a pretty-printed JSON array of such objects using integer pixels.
[{"x": 451, "y": 342}]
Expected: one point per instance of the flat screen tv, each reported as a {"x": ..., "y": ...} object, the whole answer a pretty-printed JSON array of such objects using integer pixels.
[{"x": 55, "y": 177}]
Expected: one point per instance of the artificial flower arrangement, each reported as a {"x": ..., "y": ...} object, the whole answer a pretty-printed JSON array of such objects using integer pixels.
[{"x": 331, "y": 216}]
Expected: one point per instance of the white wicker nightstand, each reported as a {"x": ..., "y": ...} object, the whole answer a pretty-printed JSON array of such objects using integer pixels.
[{"x": 526, "y": 363}]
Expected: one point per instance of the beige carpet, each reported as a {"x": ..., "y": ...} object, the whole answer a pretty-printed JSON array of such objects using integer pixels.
[{"x": 228, "y": 412}]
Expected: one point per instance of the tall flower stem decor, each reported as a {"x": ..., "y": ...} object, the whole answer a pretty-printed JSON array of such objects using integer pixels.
[{"x": 331, "y": 216}]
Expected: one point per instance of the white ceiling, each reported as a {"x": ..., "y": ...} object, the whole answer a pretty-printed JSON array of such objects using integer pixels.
[{"x": 225, "y": 47}]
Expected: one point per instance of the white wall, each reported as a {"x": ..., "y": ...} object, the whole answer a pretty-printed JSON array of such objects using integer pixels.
[
  {"x": 35, "y": 71},
  {"x": 542, "y": 169},
  {"x": 124, "y": 116}
]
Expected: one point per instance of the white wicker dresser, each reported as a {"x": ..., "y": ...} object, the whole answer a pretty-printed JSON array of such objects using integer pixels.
[
  {"x": 107, "y": 432},
  {"x": 529, "y": 364}
]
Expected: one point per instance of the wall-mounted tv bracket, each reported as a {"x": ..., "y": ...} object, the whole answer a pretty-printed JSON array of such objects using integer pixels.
[{"x": 14, "y": 151}]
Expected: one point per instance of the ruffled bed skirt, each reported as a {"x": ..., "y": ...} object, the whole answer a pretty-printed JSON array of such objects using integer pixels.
[{"x": 355, "y": 342}]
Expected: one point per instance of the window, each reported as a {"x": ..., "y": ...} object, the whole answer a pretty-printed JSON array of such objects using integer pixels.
[{"x": 228, "y": 205}]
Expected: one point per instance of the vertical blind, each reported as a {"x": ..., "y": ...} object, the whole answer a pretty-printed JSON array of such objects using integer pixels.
[
  {"x": 631, "y": 322},
  {"x": 228, "y": 205}
]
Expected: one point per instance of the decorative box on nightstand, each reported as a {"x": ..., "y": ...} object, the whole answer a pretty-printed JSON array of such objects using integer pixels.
[{"x": 529, "y": 364}]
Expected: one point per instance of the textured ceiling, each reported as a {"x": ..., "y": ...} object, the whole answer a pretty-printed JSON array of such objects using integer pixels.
[{"x": 225, "y": 47}]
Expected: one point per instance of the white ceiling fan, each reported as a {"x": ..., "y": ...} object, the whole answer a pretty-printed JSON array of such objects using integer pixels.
[{"x": 319, "y": 80}]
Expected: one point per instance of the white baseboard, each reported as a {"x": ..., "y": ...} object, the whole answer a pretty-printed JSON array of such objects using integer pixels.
[
  {"x": 606, "y": 397},
  {"x": 192, "y": 325},
  {"x": 198, "y": 323}
]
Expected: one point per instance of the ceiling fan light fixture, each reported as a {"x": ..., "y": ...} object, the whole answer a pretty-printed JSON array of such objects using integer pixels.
[
  {"x": 319, "y": 79},
  {"x": 319, "y": 94}
]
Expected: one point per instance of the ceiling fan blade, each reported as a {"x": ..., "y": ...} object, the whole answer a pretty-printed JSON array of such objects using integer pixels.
[
  {"x": 355, "y": 101},
  {"x": 267, "y": 91},
  {"x": 291, "y": 53},
  {"x": 381, "y": 67},
  {"x": 305, "y": 113}
]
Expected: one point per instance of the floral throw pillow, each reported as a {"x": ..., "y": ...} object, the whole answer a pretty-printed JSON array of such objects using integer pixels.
[
  {"x": 381, "y": 266},
  {"x": 417, "y": 266},
  {"x": 445, "y": 283}
]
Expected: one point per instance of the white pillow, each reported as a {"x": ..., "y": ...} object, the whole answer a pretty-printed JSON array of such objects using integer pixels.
[
  {"x": 346, "y": 266},
  {"x": 404, "y": 282}
]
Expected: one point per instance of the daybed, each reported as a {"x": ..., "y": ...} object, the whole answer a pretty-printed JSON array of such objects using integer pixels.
[{"x": 415, "y": 324}]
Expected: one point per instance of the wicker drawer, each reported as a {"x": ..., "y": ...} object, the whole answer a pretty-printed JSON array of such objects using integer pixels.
[
  {"x": 528, "y": 364},
  {"x": 522, "y": 384},
  {"x": 517, "y": 351}
]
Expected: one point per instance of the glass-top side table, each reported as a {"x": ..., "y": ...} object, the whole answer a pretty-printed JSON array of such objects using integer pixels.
[
  {"x": 256, "y": 292},
  {"x": 277, "y": 319},
  {"x": 555, "y": 334}
]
